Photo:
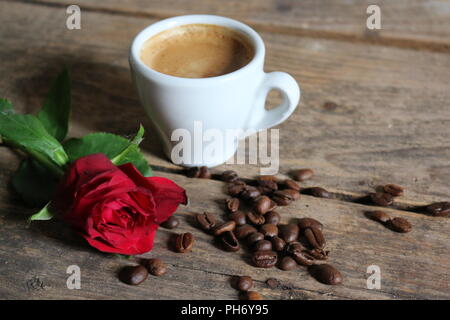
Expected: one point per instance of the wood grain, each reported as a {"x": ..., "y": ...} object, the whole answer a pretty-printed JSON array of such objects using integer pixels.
[
  {"x": 418, "y": 24},
  {"x": 413, "y": 266}
]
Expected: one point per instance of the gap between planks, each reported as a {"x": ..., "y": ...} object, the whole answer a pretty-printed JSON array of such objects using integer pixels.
[{"x": 372, "y": 38}]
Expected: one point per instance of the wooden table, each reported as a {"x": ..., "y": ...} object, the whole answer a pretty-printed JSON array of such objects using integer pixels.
[{"x": 392, "y": 125}]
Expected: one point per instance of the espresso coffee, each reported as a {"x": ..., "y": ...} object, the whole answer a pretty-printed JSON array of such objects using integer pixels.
[{"x": 197, "y": 51}]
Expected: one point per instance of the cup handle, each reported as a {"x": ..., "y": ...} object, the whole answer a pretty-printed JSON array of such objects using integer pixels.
[{"x": 290, "y": 90}]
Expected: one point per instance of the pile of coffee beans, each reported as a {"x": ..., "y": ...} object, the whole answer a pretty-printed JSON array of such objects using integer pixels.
[{"x": 135, "y": 275}]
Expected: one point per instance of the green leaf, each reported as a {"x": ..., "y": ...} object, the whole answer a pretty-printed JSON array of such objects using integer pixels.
[
  {"x": 5, "y": 105},
  {"x": 43, "y": 214},
  {"x": 132, "y": 147},
  {"x": 55, "y": 112},
  {"x": 34, "y": 183},
  {"x": 111, "y": 145},
  {"x": 26, "y": 132}
]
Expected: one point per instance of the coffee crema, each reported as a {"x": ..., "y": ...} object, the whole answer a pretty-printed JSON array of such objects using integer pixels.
[{"x": 197, "y": 51}]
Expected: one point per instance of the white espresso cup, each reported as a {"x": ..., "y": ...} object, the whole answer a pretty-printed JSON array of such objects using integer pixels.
[{"x": 233, "y": 101}]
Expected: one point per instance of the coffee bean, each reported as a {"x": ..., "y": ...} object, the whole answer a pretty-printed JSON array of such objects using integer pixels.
[
  {"x": 262, "y": 245},
  {"x": 256, "y": 219},
  {"x": 381, "y": 199},
  {"x": 304, "y": 223},
  {"x": 394, "y": 190},
  {"x": 438, "y": 209},
  {"x": 250, "y": 295},
  {"x": 239, "y": 217},
  {"x": 232, "y": 204},
  {"x": 171, "y": 223},
  {"x": 330, "y": 106},
  {"x": 314, "y": 237},
  {"x": 229, "y": 241},
  {"x": 399, "y": 225},
  {"x": 267, "y": 186},
  {"x": 302, "y": 174},
  {"x": 379, "y": 216},
  {"x": 244, "y": 231},
  {"x": 282, "y": 197},
  {"x": 299, "y": 254},
  {"x": 269, "y": 230},
  {"x": 206, "y": 221},
  {"x": 235, "y": 189},
  {"x": 133, "y": 275},
  {"x": 255, "y": 237},
  {"x": 227, "y": 226},
  {"x": 318, "y": 254},
  {"x": 262, "y": 205},
  {"x": 196, "y": 172},
  {"x": 287, "y": 263},
  {"x": 289, "y": 232},
  {"x": 193, "y": 172},
  {"x": 272, "y": 283},
  {"x": 155, "y": 266},
  {"x": 229, "y": 176},
  {"x": 250, "y": 193},
  {"x": 272, "y": 217},
  {"x": 267, "y": 178},
  {"x": 244, "y": 283},
  {"x": 291, "y": 184},
  {"x": 184, "y": 242},
  {"x": 264, "y": 259},
  {"x": 317, "y": 192},
  {"x": 293, "y": 193},
  {"x": 278, "y": 244},
  {"x": 326, "y": 274}
]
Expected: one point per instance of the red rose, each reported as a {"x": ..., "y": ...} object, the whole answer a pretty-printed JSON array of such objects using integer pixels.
[{"x": 115, "y": 209}]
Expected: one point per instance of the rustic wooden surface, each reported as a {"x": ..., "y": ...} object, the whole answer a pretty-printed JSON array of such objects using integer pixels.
[{"x": 392, "y": 125}]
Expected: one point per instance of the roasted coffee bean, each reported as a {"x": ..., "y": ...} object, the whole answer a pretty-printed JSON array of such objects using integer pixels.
[
  {"x": 256, "y": 219},
  {"x": 381, "y": 199},
  {"x": 264, "y": 259},
  {"x": 227, "y": 226},
  {"x": 318, "y": 254},
  {"x": 438, "y": 209},
  {"x": 171, "y": 223},
  {"x": 155, "y": 266},
  {"x": 267, "y": 186},
  {"x": 317, "y": 192},
  {"x": 262, "y": 245},
  {"x": 300, "y": 254},
  {"x": 282, "y": 198},
  {"x": 254, "y": 237},
  {"x": 250, "y": 193},
  {"x": 233, "y": 204},
  {"x": 272, "y": 217},
  {"x": 239, "y": 217},
  {"x": 287, "y": 263},
  {"x": 269, "y": 230},
  {"x": 206, "y": 221},
  {"x": 267, "y": 178},
  {"x": 330, "y": 106},
  {"x": 326, "y": 274},
  {"x": 133, "y": 275},
  {"x": 293, "y": 193},
  {"x": 229, "y": 176},
  {"x": 291, "y": 184},
  {"x": 244, "y": 283},
  {"x": 235, "y": 190},
  {"x": 184, "y": 242},
  {"x": 302, "y": 174},
  {"x": 288, "y": 232},
  {"x": 379, "y": 216},
  {"x": 196, "y": 172},
  {"x": 262, "y": 205},
  {"x": 399, "y": 225},
  {"x": 272, "y": 283},
  {"x": 278, "y": 244},
  {"x": 304, "y": 223},
  {"x": 229, "y": 241},
  {"x": 244, "y": 231},
  {"x": 314, "y": 237},
  {"x": 250, "y": 295},
  {"x": 394, "y": 190}
]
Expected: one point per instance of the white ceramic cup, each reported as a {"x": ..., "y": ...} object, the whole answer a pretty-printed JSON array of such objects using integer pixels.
[{"x": 232, "y": 101}]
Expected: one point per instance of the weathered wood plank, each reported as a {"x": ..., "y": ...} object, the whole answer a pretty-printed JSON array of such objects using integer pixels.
[
  {"x": 420, "y": 24},
  {"x": 413, "y": 265},
  {"x": 392, "y": 123}
]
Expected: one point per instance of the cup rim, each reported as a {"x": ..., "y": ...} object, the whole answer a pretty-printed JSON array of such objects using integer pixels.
[{"x": 165, "y": 24}]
